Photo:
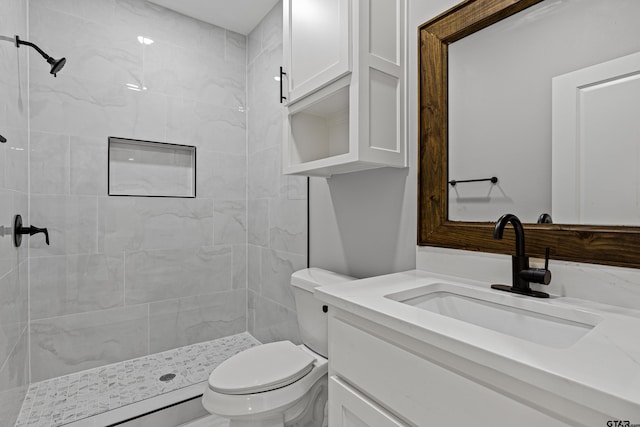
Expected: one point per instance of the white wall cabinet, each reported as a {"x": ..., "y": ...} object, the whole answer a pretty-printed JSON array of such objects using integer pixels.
[
  {"x": 316, "y": 44},
  {"x": 346, "y": 81}
]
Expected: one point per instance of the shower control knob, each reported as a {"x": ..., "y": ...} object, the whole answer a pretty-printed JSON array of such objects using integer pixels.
[{"x": 19, "y": 230}]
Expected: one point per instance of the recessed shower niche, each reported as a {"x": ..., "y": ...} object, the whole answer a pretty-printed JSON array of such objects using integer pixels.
[{"x": 152, "y": 169}]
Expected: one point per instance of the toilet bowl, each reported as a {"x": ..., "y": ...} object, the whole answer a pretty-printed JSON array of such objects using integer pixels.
[{"x": 279, "y": 383}]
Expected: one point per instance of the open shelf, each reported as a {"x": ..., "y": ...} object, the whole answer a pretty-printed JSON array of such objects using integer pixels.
[{"x": 320, "y": 129}]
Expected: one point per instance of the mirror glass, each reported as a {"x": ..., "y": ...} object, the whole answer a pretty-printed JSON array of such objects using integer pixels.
[{"x": 548, "y": 101}]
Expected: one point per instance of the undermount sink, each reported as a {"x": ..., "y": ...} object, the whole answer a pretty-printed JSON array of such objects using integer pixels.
[{"x": 536, "y": 322}]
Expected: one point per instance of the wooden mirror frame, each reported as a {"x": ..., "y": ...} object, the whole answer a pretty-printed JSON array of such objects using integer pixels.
[{"x": 610, "y": 245}]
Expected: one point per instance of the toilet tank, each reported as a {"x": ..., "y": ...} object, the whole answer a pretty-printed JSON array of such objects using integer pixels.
[{"x": 312, "y": 320}]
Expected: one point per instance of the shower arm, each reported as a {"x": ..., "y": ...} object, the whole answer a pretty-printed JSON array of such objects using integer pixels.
[{"x": 40, "y": 51}]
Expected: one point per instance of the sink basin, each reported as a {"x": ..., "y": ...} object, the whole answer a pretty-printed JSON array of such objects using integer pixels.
[{"x": 557, "y": 327}]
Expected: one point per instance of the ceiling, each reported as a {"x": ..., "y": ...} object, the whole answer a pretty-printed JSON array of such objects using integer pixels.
[{"x": 240, "y": 16}]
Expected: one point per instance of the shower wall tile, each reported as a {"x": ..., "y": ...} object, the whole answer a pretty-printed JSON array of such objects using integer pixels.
[
  {"x": 62, "y": 345},
  {"x": 9, "y": 205},
  {"x": 219, "y": 83},
  {"x": 97, "y": 11},
  {"x": 263, "y": 89},
  {"x": 163, "y": 68},
  {"x": 209, "y": 127},
  {"x": 264, "y": 173},
  {"x": 294, "y": 187},
  {"x": 288, "y": 225},
  {"x": 148, "y": 223},
  {"x": 239, "y": 278},
  {"x": 235, "y": 48},
  {"x": 71, "y": 284},
  {"x": 264, "y": 130},
  {"x": 254, "y": 268},
  {"x": 162, "y": 24},
  {"x": 275, "y": 273},
  {"x": 272, "y": 27},
  {"x": 230, "y": 222},
  {"x": 14, "y": 382},
  {"x": 93, "y": 50},
  {"x": 71, "y": 221},
  {"x": 222, "y": 176},
  {"x": 270, "y": 321},
  {"x": 277, "y": 217},
  {"x": 166, "y": 274},
  {"x": 82, "y": 107},
  {"x": 11, "y": 304},
  {"x": 16, "y": 175},
  {"x": 254, "y": 42},
  {"x": 50, "y": 163},
  {"x": 258, "y": 227},
  {"x": 190, "y": 320},
  {"x": 88, "y": 166}
]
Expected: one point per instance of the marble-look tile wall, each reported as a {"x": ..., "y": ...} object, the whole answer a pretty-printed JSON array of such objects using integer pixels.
[
  {"x": 128, "y": 276},
  {"x": 277, "y": 220},
  {"x": 13, "y": 200}
]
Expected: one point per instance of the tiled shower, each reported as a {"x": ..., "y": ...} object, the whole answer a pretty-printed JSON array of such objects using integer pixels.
[{"x": 130, "y": 276}]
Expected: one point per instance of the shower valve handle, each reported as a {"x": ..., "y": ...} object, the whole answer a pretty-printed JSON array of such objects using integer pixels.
[
  {"x": 31, "y": 230},
  {"x": 19, "y": 230}
]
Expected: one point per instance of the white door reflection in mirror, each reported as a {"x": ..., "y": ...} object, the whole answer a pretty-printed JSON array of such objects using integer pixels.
[{"x": 596, "y": 144}]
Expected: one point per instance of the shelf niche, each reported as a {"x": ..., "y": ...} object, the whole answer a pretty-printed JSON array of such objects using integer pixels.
[{"x": 151, "y": 169}]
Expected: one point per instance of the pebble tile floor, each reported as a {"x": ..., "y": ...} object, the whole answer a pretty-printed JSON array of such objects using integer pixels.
[{"x": 62, "y": 400}]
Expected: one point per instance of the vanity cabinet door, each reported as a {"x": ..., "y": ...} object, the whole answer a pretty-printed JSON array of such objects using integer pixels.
[
  {"x": 316, "y": 44},
  {"x": 348, "y": 408},
  {"x": 420, "y": 387}
]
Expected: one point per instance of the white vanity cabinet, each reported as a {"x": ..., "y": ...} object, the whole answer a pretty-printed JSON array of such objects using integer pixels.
[
  {"x": 378, "y": 374},
  {"x": 345, "y": 86}
]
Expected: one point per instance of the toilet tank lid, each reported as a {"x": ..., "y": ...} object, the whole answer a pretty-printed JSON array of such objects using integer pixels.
[{"x": 310, "y": 278}]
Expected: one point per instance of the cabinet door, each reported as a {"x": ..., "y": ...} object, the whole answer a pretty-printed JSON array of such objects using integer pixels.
[
  {"x": 316, "y": 44},
  {"x": 348, "y": 408}
]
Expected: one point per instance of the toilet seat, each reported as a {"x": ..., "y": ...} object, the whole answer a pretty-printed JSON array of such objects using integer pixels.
[
  {"x": 261, "y": 368},
  {"x": 256, "y": 406}
]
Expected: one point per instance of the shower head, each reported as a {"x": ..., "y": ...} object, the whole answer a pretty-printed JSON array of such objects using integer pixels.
[{"x": 56, "y": 64}]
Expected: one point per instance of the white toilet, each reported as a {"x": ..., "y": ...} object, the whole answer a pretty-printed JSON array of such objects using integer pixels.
[{"x": 280, "y": 383}]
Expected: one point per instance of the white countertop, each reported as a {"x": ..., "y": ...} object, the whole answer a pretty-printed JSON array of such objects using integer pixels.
[{"x": 600, "y": 371}]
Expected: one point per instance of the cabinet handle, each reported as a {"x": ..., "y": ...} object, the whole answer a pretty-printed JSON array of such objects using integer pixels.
[{"x": 282, "y": 74}]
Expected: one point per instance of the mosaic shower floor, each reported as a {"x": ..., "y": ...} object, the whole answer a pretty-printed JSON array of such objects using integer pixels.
[{"x": 73, "y": 397}]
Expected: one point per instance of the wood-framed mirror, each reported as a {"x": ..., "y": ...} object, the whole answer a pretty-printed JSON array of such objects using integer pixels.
[{"x": 598, "y": 244}]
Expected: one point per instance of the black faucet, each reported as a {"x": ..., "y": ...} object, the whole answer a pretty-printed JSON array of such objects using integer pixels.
[{"x": 522, "y": 274}]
